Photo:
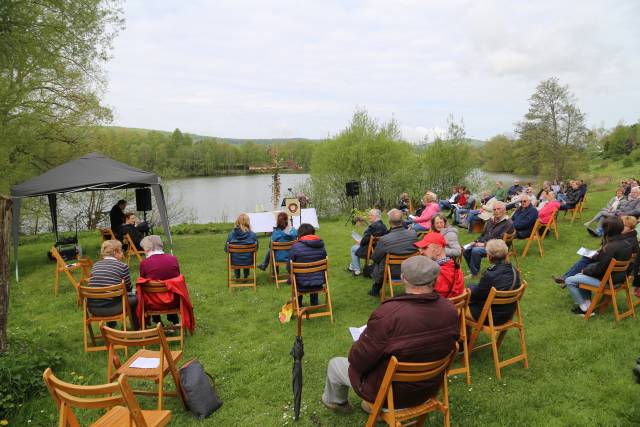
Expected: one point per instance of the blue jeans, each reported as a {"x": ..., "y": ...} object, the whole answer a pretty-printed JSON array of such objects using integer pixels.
[
  {"x": 474, "y": 256},
  {"x": 459, "y": 213},
  {"x": 473, "y": 215},
  {"x": 580, "y": 296},
  {"x": 578, "y": 266},
  {"x": 355, "y": 260},
  {"x": 418, "y": 227},
  {"x": 445, "y": 204}
]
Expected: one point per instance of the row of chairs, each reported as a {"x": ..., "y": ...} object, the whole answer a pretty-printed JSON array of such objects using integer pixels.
[{"x": 131, "y": 250}]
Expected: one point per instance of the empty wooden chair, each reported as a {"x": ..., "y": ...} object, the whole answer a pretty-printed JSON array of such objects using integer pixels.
[
  {"x": 116, "y": 398},
  {"x": 300, "y": 268},
  {"x": 388, "y": 278},
  {"x": 496, "y": 333},
  {"x": 462, "y": 304},
  {"x": 165, "y": 358},
  {"x": 131, "y": 249},
  {"x": 80, "y": 264},
  {"x": 241, "y": 282},
  {"x": 152, "y": 287},
  {"x": 278, "y": 269},
  {"x": 411, "y": 372},
  {"x": 102, "y": 293},
  {"x": 508, "y": 240},
  {"x": 607, "y": 291},
  {"x": 106, "y": 234}
]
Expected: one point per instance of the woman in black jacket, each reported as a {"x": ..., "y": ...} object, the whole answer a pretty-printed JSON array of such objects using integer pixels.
[
  {"x": 616, "y": 246},
  {"x": 500, "y": 275}
]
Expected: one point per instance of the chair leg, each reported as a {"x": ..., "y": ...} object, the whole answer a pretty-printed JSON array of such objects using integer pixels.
[
  {"x": 526, "y": 247},
  {"x": 523, "y": 346},
  {"x": 496, "y": 357},
  {"x": 594, "y": 304},
  {"x": 630, "y": 306},
  {"x": 55, "y": 282},
  {"x": 614, "y": 302},
  {"x": 328, "y": 301}
]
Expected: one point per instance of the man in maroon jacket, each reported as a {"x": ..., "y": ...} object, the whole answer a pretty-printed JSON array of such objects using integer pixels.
[{"x": 419, "y": 326}]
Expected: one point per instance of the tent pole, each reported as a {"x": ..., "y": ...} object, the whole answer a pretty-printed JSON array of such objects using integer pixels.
[{"x": 162, "y": 209}]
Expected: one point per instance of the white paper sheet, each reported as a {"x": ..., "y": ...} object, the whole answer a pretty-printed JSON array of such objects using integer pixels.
[
  {"x": 356, "y": 332},
  {"x": 263, "y": 222},
  {"x": 586, "y": 252},
  {"x": 356, "y": 236},
  {"x": 146, "y": 363},
  {"x": 468, "y": 245}
]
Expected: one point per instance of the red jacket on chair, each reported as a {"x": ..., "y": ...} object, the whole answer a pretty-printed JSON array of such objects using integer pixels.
[{"x": 177, "y": 286}]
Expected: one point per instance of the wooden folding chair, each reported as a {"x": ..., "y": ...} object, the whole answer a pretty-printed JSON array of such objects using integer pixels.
[
  {"x": 576, "y": 211},
  {"x": 539, "y": 233},
  {"x": 508, "y": 240},
  {"x": 462, "y": 304},
  {"x": 106, "y": 234},
  {"x": 131, "y": 249},
  {"x": 275, "y": 274},
  {"x": 116, "y": 398},
  {"x": 102, "y": 293},
  {"x": 82, "y": 264},
  {"x": 607, "y": 291},
  {"x": 388, "y": 279},
  {"x": 152, "y": 287},
  {"x": 166, "y": 360},
  {"x": 373, "y": 241},
  {"x": 398, "y": 372},
  {"x": 301, "y": 268},
  {"x": 484, "y": 323},
  {"x": 241, "y": 282}
]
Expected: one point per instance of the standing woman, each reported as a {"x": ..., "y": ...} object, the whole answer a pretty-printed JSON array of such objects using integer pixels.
[
  {"x": 241, "y": 235},
  {"x": 450, "y": 234},
  {"x": 281, "y": 233}
]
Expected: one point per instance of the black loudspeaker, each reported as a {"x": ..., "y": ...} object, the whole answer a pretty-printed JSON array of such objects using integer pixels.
[
  {"x": 353, "y": 188},
  {"x": 143, "y": 199}
]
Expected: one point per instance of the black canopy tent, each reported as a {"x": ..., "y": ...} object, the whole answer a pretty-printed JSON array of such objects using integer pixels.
[{"x": 93, "y": 172}]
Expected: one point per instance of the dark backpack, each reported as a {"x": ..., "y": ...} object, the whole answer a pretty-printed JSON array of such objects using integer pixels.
[{"x": 198, "y": 386}]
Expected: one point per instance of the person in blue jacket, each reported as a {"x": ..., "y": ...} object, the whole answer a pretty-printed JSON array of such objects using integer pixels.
[
  {"x": 308, "y": 248},
  {"x": 524, "y": 218},
  {"x": 241, "y": 235},
  {"x": 280, "y": 234}
]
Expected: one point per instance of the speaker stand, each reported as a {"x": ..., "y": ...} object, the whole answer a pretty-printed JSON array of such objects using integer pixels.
[{"x": 352, "y": 216}]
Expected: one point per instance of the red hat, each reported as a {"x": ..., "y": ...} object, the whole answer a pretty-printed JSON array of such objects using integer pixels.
[{"x": 432, "y": 237}]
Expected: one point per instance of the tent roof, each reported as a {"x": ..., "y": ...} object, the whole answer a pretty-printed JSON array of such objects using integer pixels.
[{"x": 91, "y": 172}]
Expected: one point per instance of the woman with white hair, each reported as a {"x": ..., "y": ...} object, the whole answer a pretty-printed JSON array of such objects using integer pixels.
[{"x": 431, "y": 208}]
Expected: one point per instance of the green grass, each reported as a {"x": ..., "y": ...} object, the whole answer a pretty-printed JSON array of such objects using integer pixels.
[{"x": 579, "y": 372}]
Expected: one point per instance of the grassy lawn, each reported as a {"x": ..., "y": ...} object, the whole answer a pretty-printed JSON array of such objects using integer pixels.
[{"x": 579, "y": 372}]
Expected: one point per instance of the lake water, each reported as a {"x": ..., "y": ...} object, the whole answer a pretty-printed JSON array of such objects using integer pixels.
[{"x": 223, "y": 198}]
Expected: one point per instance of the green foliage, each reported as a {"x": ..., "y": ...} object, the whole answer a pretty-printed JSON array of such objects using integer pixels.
[
  {"x": 498, "y": 154},
  {"x": 627, "y": 162},
  {"x": 209, "y": 228},
  {"x": 21, "y": 371},
  {"x": 622, "y": 140}
]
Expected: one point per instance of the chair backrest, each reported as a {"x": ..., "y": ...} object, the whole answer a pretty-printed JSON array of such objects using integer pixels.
[
  {"x": 152, "y": 287},
  {"x": 393, "y": 259},
  {"x": 68, "y": 396},
  {"x": 615, "y": 266},
  {"x": 56, "y": 254},
  {"x": 102, "y": 292},
  {"x": 282, "y": 246},
  {"x": 461, "y": 301},
  {"x": 496, "y": 297},
  {"x": 309, "y": 267},
  {"x": 154, "y": 336},
  {"x": 373, "y": 241},
  {"x": 107, "y": 234},
  {"x": 508, "y": 237},
  {"x": 231, "y": 248}
]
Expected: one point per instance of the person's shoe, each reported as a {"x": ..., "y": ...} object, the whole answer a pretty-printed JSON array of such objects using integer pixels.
[
  {"x": 587, "y": 224},
  {"x": 558, "y": 279},
  {"x": 262, "y": 267},
  {"x": 578, "y": 311},
  {"x": 345, "y": 408},
  {"x": 373, "y": 293},
  {"x": 592, "y": 233}
]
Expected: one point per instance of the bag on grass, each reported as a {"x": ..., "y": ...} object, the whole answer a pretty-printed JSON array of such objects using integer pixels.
[
  {"x": 198, "y": 386},
  {"x": 368, "y": 271}
]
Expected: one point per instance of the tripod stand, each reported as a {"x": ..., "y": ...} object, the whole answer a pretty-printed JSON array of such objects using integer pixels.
[{"x": 352, "y": 216}]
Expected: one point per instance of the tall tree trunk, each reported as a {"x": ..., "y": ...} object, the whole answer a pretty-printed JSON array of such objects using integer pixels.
[{"x": 5, "y": 234}]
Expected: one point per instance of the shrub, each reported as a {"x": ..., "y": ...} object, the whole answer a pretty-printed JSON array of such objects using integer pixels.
[{"x": 627, "y": 162}]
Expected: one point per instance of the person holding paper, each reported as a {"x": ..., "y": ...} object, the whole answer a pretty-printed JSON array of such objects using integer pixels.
[
  {"x": 431, "y": 207},
  {"x": 419, "y": 326},
  {"x": 612, "y": 205},
  {"x": 495, "y": 228},
  {"x": 359, "y": 250}
]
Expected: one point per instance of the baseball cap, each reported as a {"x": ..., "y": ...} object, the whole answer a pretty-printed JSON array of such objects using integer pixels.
[
  {"x": 432, "y": 237},
  {"x": 420, "y": 270}
]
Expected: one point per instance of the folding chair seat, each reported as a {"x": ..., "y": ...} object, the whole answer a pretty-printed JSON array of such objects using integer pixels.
[
  {"x": 116, "y": 398},
  {"x": 102, "y": 293},
  {"x": 106, "y": 234},
  {"x": 539, "y": 233},
  {"x": 576, "y": 211},
  {"x": 301, "y": 268},
  {"x": 277, "y": 269},
  {"x": 411, "y": 372},
  {"x": 388, "y": 278},
  {"x": 607, "y": 291},
  {"x": 153, "y": 287},
  {"x": 508, "y": 240},
  {"x": 241, "y": 282},
  {"x": 496, "y": 333},
  {"x": 167, "y": 360},
  {"x": 62, "y": 266},
  {"x": 131, "y": 249},
  {"x": 373, "y": 242},
  {"x": 462, "y": 304}
]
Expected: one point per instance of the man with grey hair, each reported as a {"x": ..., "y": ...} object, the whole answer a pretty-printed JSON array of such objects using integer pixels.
[
  {"x": 376, "y": 228},
  {"x": 629, "y": 206},
  {"x": 399, "y": 241},
  {"x": 419, "y": 326}
]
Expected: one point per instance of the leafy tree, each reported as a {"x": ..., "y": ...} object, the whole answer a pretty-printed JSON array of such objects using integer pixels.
[
  {"x": 553, "y": 130},
  {"x": 499, "y": 154}
]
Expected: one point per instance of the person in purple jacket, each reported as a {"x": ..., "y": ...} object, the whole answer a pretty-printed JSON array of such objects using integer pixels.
[{"x": 308, "y": 248}]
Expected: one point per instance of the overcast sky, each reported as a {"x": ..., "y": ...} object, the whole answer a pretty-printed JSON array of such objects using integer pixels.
[{"x": 269, "y": 69}]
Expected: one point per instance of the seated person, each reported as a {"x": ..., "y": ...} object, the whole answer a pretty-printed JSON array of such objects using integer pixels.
[
  {"x": 500, "y": 193},
  {"x": 571, "y": 196},
  {"x": 308, "y": 248},
  {"x": 160, "y": 266},
  {"x": 450, "y": 282},
  {"x": 359, "y": 250},
  {"x": 630, "y": 206},
  {"x": 465, "y": 201},
  {"x": 110, "y": 270},
  {"x": 241, "y": 235},
  {"x": 431, "y": 207},
  {"x": 611, "y": 207},
  {"x": 546, "y": 187},
  {"x": 116, "y": 216},
  {"x": 615, "y": 246},
  {"x": 404, "y": 203},
  {"x": 398, "y": 241},
  {"x": 495, "y": 228},
  {"x": 455, "y": 195},
  {"x": 129, "y": 227},
  {"x": 468, "y": 207},
  {"x": 548, "y": 208},
  {"x": 524, "y": 218},
  {"x": 282, "y": 232},
  {"x": 484, "y": 213},
  {"x": 450, "y": 234},
  {"x": 515, "y": 189},
  {"x": 500, "y": 275},
  {"x": 419, "y": 326}
]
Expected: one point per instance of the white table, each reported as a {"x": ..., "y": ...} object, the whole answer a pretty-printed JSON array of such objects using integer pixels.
[{"x": 264, "y": 222}]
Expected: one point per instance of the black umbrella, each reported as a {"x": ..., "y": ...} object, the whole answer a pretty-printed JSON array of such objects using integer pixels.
[{"x": 297, "y": 352}]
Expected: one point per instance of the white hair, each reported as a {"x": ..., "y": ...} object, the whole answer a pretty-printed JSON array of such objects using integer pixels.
[{"x": 152, "y": 243}]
